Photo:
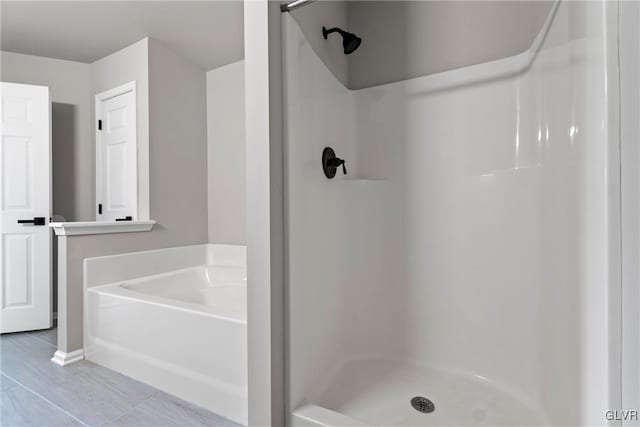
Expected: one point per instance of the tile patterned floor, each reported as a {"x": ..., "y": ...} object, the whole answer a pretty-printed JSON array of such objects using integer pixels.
[{"x": 36, "y": 392}]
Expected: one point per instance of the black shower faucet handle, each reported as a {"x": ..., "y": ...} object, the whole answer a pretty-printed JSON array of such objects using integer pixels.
[
  {"x": 331, "y": 162},
  {"x": 337, "y": 162}
]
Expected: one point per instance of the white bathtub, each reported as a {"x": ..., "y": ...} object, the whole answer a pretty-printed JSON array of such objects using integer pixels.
[{"x": 173, "y": 318}]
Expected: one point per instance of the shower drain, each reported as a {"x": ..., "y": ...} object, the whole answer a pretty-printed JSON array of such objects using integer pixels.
[{"x": 422, "y": 404}]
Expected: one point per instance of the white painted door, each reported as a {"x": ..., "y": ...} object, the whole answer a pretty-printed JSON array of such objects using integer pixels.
[
  {"x": 25, "y": 197},
  {"x": 117, "y": 179}
]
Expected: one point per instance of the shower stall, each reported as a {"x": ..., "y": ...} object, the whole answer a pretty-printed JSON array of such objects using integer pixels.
[{"x": 467, "y": 269}]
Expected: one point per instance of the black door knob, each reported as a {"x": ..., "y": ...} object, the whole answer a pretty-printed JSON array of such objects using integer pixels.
[{"x": 39, "y": 220}]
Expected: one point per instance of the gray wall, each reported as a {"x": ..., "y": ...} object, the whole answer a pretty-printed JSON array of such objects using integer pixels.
[
  {"x": 178, "y": 180},
  {"x": 178, "y": 150},
  {"x": 72, "y": 136},
  {"x": 126, "y": 65},
  {"x": 73, "y": 86},
  {"x": 407, "y": 39},
  {"x": 226, "y": 154}
]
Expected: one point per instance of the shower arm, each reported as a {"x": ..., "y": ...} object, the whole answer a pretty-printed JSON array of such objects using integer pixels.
[{"x": 325, "y": 32}]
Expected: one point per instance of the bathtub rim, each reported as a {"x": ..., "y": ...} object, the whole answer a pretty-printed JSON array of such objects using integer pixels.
[
  {"x": 191, "y": 256},
  {"x": 227, "y": 255},
  {"x": 119, "y": 291}
]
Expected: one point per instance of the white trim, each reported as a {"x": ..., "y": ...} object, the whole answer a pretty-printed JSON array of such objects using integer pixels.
[
  {"x": 103, "y": 96},
  {"x": 63, "y": 359},
  {"x": 116, "y": 91},
  {"x": 94, "y": 227}
]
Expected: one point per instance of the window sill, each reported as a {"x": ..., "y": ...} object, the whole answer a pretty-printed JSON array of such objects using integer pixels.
[{"x": 106, "y": 227}]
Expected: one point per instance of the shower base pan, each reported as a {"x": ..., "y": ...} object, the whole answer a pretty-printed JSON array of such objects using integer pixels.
[{"x": 379, "y": 393}]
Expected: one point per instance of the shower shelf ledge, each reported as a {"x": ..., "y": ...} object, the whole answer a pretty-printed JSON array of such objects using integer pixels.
[
  {"x": 82, "y": 228},
  {"x": 365, "y": 180}
]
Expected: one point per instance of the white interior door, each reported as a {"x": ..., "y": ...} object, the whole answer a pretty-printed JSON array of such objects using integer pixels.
[
  {"x": 117, "y": 179},
  {"x": 25, "y": 195}
]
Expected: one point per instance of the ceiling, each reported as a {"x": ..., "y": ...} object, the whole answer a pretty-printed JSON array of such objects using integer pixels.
[{"x": 208, "y": 33}]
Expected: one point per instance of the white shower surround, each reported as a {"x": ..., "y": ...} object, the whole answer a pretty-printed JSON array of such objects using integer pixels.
[
  {"x": 174, "y": 318},
  {"x": 471, "y": 250}
]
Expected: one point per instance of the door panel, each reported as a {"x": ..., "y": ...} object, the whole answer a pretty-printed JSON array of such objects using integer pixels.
[
  {"x": 25, "y": 193},
  {"x": 16, "y": 170},
  {"x": 116, "y": 176},
  {"x": 17, "y": 260}
]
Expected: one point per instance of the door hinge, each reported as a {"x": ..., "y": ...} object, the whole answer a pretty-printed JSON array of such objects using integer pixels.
[
  {"x": 99, "y": 124},
  {"x": 99, "y": 208}
]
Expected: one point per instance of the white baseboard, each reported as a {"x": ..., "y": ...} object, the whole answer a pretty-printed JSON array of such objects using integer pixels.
[{"x": 63, "y": 359}]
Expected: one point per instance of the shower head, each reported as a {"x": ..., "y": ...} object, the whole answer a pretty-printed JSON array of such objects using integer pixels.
[{"x": 350, "y": 42}]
